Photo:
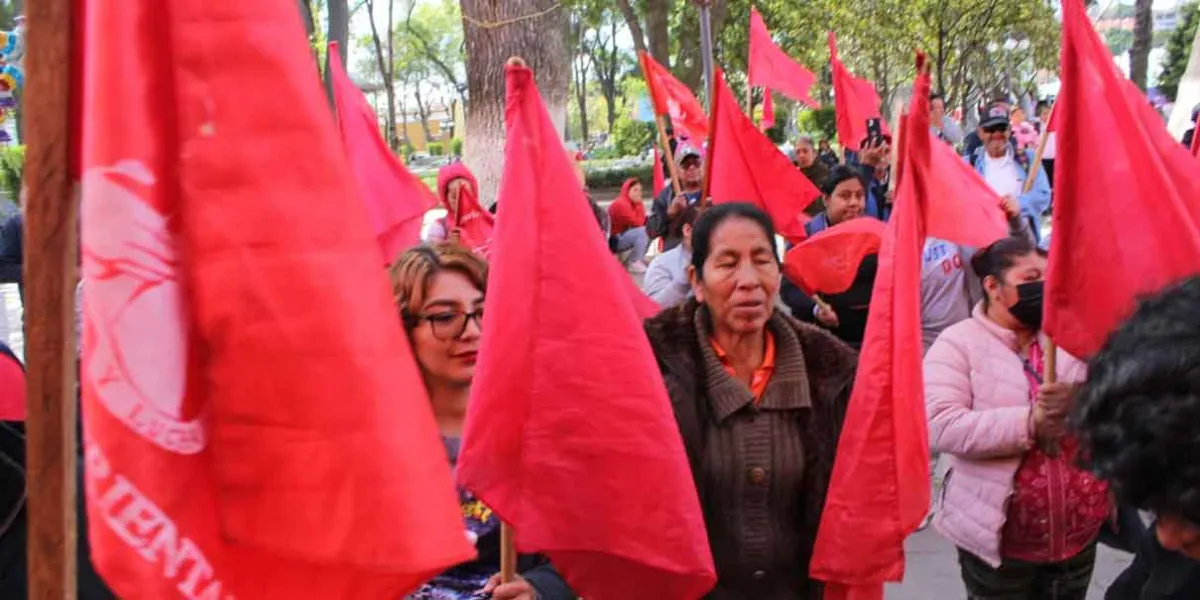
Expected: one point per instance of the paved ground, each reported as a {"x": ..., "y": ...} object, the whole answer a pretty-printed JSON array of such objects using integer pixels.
[{"x": 932, "y": 570}]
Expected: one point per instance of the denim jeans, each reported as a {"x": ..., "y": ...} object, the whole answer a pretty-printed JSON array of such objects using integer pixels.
[{"x": 636, "y": 240}]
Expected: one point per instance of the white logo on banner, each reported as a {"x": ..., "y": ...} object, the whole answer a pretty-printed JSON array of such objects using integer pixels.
[{"x": 136, "y": 361}]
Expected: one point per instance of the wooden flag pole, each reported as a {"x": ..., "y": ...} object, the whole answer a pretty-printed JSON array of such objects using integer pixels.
[
  {"x": 508, "y": 554},
  {"x": 665, "y": 142},
  {"x": 1036, "y": 167},
  {"x": 897, "y": 125},
  {"x": 821, "y": 303},
  {"x": 712, "y": 142},
  {"x": 1051, "y": 366},
  {"x": 51, "y": 251}
]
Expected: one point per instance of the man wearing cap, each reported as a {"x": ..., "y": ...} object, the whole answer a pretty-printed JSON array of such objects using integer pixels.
[
  {"x": 667, "y": 206},
  {"x": 1005, "y": 168}
]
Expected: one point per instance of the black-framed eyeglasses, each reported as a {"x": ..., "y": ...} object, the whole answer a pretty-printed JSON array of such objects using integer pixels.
[
  {"x": 996, "y": 129},
  {"x": 447, "y": 326}
]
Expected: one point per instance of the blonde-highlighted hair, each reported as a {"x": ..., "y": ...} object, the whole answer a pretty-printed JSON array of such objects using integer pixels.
[{"x": 413, "y": 272}]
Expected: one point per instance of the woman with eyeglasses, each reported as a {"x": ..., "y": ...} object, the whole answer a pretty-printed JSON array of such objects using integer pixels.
[{"x": 439, "y": 290}]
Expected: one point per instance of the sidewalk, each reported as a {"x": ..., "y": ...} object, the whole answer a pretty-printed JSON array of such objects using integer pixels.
[{"x": 932, "y": 570}]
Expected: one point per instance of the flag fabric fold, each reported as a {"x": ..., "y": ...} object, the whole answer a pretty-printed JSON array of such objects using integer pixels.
[
  {"x": 249, "y": 400},
  {"x": 961, "y": 207},
  {"x": 1113, "y": 153},
  {"x": 828, "y": 262},
  {"x": 770, "y": 67},
  {"x": 396, "y": 200},
  {"x": 879, "y": 491},
  {"x": 671, "y": 98},
  {"x": 855, "y": 101},
  {"x": 746, "y": 166},
  {"x": 548, "y": 445}
]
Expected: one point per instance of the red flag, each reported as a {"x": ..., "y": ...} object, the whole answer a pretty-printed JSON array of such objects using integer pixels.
[
  {"x": 879, "y": 491},
  {"x": 549, "y": 368},
  {"x": 957, "y": 204},
  {"x": 660, "y": 182},
  {"x": 768, "y": 118},
  {"x": 254, "y": 423},
  {"x": 473, "y": 224},
  {"x": 746, "y": 166},
  {"x": 770, "y": 67},
  {"x": 672, "y": 98},
  {"x": 827, "y": 262},
  {"x": 855, "y": 99},
  {"x": 396, "y": 199},
  {"x": 1112, "y": 155},
  {"x": 1195, "y": 143},
  {"x": 12, "y": 388}
]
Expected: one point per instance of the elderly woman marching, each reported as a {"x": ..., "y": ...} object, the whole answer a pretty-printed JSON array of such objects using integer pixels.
[{"x": 759, "y": 399}]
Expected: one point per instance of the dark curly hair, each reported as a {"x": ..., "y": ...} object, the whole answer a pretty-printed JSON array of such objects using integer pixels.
[{"x": 1138, "y": 415}]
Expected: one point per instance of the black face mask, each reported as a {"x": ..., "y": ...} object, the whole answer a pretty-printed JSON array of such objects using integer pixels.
[{"x": 1028, "y": 309}]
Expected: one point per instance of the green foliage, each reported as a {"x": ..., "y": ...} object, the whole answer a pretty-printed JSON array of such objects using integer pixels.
[
  {"x": 606, "y": 153},
  {"x": 607, "y": 178},
  {"x": 778, "y": 132},
  {"x": 1119, "y": 41},
  {"x": 456, "y": 146},
  {"x": 12, "y": 169},
  {"x": 631, "y": 137},
  {"x": 436, "y": 149},
  {"x": 820, "y": 123},
  {"x": 1179, "y": 49}
]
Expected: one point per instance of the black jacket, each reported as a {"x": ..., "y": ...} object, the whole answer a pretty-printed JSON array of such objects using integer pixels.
[{"x": 1157, "y": 574}]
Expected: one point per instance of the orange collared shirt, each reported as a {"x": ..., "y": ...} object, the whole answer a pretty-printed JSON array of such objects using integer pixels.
[{"x": 761, "y": 376}]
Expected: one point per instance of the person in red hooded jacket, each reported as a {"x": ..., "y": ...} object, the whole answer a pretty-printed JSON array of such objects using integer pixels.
[
  {"x": 466, "y": 220},
  {"x": 628, "y": 216}
]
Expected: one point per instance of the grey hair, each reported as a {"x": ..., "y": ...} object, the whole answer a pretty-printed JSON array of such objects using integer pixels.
[{"x": 807, "y": 139}]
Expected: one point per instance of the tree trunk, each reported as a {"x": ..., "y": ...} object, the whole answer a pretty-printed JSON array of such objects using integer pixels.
[
  {"x": 387, "y": 70},
  {"x": 635, "y": 26},
  {"x": 1143, "y": 36},
  {"x": 658, "y": 20},
  {"x": 579, "y": 69},
  {"x": 338, "y": 31},
  {"x": 393, "y": 138},
  {"x": 536, "y": 31},
  {"x": 423, "y": 113}
]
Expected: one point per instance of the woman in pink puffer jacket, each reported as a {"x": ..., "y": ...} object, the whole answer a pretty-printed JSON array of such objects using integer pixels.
[{"x": 1024, "y": 517}]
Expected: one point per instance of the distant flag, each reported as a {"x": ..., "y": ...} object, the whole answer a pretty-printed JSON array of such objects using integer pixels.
[
  {"x": 746, "y": 166},
  {"x": 768, "y": 116},
  {"x": 856, "y": 101},
  {"x": 770, "y": 67},
  {"x": 672, "y": 98}
]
